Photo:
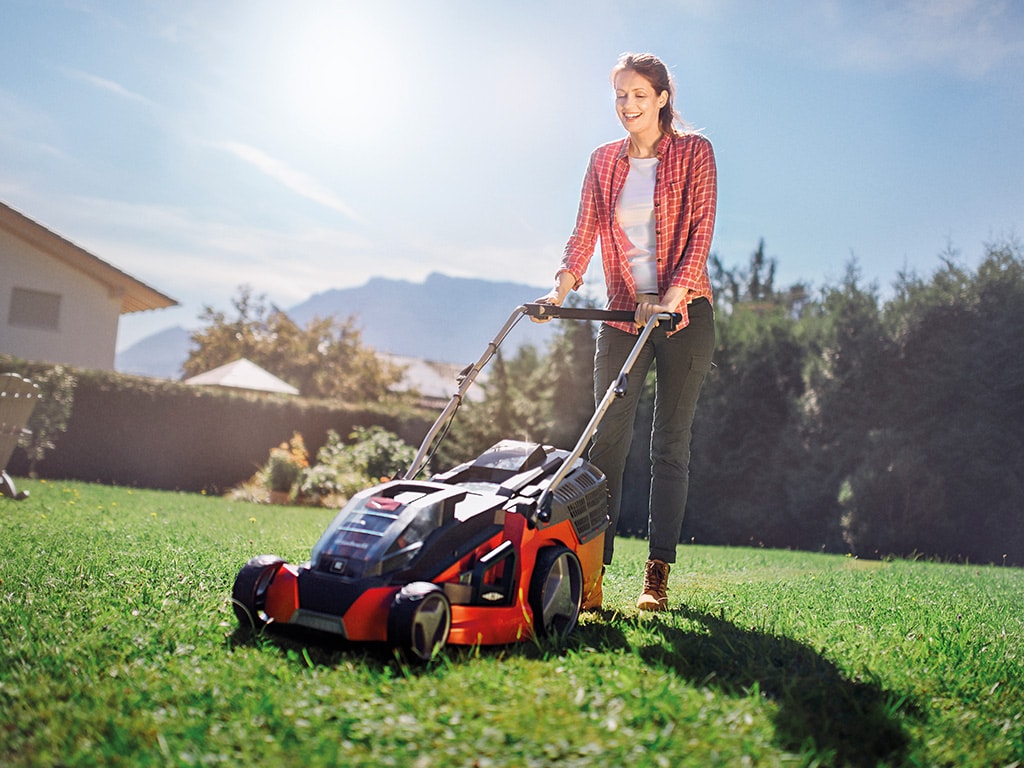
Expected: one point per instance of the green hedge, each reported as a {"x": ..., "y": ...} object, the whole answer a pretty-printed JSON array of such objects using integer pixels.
[{"x": 134, "y": 431}]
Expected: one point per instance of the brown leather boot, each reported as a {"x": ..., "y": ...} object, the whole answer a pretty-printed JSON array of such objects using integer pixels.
[
  {"x": 592, "y": 602},
  {"x": 655, "y": 594}
]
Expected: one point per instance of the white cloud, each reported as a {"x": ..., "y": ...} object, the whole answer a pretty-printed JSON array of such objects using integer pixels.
[
  {"x": 109, "y": 86},
  {"x": 298, "y": 182}
]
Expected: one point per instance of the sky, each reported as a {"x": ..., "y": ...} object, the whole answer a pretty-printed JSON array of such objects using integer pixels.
[{"x": 202, "y": 145}]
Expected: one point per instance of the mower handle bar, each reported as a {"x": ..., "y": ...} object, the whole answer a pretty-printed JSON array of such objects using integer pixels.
[{"x": 550, "y": 311}]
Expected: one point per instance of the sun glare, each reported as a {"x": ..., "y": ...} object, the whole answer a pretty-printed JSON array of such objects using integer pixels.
[{"x": 335, "y": 74}]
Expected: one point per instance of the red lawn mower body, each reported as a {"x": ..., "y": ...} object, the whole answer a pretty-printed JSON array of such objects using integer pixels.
[{"x": 495, "y": 551}]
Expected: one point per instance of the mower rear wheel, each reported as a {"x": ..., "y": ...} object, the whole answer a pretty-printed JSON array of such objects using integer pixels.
[
  {"x": 249, "y": 595},
  {"x": 556, "y": 592},
  {"x": 420, "y": 620}
]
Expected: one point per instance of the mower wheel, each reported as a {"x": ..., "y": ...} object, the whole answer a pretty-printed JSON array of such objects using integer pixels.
[
  {"x": 556, "y": 590},
  {"x": 419, "y": 620},
  {"x": 249, "y": 596}
]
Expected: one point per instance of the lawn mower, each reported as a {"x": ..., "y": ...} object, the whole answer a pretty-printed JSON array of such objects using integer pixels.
[{"x": 497, "y": 550}]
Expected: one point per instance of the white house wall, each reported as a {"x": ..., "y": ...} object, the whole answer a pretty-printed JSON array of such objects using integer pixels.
[{"x": 86, "y": 335}]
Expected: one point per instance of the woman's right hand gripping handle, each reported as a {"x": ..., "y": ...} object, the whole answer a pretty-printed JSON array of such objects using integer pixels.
[{"x": 564, "y": 282}]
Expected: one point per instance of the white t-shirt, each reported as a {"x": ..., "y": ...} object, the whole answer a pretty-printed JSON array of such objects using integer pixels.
[{"x": 635, "y": 214}]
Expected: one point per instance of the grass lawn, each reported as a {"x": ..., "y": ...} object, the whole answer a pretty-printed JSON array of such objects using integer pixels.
[{"x": 118, "y": 646}]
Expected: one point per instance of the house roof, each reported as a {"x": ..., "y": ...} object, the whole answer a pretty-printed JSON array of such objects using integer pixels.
[
  {"x": 243, "y": 374},
  {"x": 431, "y": 379},
  {"x": 135, "y": 295}
]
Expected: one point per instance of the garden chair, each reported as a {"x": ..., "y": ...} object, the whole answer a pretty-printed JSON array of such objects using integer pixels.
[{"x": 18, "y": 397}]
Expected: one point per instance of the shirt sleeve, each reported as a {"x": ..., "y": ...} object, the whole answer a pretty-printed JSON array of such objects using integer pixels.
[
  {"x": 580, "y": 247},
  {"x": 702, "y": 190}
]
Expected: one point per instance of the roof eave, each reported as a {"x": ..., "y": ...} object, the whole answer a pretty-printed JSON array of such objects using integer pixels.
[{"x": 135, "y": 295}]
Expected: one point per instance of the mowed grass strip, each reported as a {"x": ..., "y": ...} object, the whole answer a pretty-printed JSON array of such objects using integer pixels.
[{"x": 118, "y": 646}]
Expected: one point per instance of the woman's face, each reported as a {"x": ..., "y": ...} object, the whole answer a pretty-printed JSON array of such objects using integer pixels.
[{"x": 637, "y": 104}]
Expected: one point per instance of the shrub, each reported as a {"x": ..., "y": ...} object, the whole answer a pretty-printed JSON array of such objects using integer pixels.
[
  {"x": 343, "y": 469},
  {"x": 285, "y": 464}
]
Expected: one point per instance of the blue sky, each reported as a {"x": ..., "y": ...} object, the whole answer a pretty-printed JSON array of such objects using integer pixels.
[{"x": 199, "y": 145}]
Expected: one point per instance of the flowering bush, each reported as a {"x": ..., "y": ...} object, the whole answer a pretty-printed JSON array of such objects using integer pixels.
[
  {"x": 285, "y": 464},
  {"x": 372, "y": 455},
  {"x": 343, "y": 469},
  {"x": 330, "y": 484}
]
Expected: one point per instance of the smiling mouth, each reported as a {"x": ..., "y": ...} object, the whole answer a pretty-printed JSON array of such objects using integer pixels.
[{"x": 631, "y": 115}]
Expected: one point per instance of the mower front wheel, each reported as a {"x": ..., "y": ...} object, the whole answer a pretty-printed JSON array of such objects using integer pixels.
[
  {"x": 420, "y": 620},
  {"x": 249, "y": 595}
]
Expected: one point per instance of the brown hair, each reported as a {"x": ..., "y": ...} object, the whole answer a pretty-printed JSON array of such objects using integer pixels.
[{"x": 650, "y": 67}]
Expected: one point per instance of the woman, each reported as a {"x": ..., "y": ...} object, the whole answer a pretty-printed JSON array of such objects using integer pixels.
[{"x": 650, "y": 199}]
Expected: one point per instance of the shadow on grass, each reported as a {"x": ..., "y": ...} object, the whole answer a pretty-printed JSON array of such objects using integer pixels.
[
  {"x": 845, "y": 722},
  {"x": 307, "y": 647}
]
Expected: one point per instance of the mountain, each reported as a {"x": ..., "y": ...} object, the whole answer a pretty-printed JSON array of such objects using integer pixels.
[
  {"x": 443, "y": 319},
  {"x": 447, "y": 319},
  {"x": 160, "y": 355}
]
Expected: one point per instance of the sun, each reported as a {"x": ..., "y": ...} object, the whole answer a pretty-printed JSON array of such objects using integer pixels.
[{"x": 333, "y": 73}]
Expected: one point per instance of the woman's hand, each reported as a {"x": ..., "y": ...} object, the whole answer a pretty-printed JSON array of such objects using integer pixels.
[
  {"x": 647, "y": 306},
  {"x": 551, "y": 298},
  {"x": 564, "y": 282}
]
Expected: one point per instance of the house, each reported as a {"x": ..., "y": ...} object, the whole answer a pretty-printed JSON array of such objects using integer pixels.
[
  {"x": 434, "y": 382},
  {"x": 58, "y": 302}
]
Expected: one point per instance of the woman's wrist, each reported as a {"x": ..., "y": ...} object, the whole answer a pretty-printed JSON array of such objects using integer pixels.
[{"x": 564, "y": 283}]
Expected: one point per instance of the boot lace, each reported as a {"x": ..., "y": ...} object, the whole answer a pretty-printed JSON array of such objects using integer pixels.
[{"x": 655, "y": 576}]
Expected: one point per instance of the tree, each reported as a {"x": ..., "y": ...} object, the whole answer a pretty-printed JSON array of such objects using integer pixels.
[
  {"x": 848, "y": 376},
  {"x": 751, "y": 285},
  {"x": 744, "y": 433},
  {"x": 942, "y": 472},
  {"x": 325, "y": 359},
  {"x": 754, "y": 286},
  {"x": 513, "y": 408}
]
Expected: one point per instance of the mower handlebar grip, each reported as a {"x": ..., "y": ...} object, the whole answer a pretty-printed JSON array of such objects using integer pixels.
[{"x": 550, "y": 311}]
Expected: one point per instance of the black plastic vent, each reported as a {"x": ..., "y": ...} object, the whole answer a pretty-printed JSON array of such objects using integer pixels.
[{"x": 584, "y": 495}]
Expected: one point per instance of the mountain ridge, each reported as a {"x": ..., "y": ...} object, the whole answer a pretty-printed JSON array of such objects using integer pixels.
[{"x": 443, "y": 319}]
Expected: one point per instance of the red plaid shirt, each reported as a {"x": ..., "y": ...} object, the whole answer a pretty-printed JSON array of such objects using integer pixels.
[{"x": 685, "y": 196}]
